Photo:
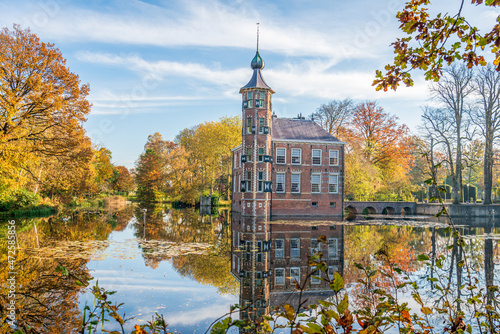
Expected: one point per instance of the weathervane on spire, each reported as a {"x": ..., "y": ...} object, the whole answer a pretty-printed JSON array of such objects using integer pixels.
[{"x": 258, "y": 36}]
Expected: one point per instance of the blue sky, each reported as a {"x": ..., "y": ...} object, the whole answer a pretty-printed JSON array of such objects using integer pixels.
[{"x": 162, "y": 66}]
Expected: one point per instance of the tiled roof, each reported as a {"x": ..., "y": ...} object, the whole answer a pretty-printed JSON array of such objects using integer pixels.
[
  {"x": 299, "y": 129},
  {"x": 257, "y": 81}
]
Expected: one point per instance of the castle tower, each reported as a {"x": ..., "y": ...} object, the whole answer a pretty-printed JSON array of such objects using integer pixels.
[{"x": 256, "y": 159}]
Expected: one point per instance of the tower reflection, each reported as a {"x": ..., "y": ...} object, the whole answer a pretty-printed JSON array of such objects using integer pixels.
[{"x": 269, "y": 258}]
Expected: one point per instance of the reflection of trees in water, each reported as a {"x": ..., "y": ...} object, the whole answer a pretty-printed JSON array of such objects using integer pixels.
[
  {"x": 47, "y": 300},
  {"x": 405, "y": 243},
  {"x": 185, "y": 229}
]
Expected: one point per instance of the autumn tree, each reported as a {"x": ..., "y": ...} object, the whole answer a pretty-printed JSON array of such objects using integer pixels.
[
  {"x": 383, "y": 141},
  {"x": 103, "y": 168},
  {"x": 179, "y": 175},
  {"x": 150, "y": 169},
  {"x": 122, "y": 179},
  {"x": 42, "y": 103},
  {"x": 432, "y": 42},
  {"x": 209, "y": 145}
]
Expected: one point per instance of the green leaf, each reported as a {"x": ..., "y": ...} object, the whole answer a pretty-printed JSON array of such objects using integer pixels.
[
  {"x": 422, "y": 257},
  {"x": 64, "y": 271},
  {"x": 338, "y": 282}
]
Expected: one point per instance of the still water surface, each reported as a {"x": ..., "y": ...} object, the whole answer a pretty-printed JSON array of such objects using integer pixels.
[{"x": 189, "y": 267}]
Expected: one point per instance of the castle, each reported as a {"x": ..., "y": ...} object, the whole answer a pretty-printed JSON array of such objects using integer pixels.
[{"x": 284, "y": 167}]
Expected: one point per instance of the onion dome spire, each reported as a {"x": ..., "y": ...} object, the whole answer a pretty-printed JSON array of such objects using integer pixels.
[
  {"x": 257, "y": 64},
  {"x": 257, "y": 61}
]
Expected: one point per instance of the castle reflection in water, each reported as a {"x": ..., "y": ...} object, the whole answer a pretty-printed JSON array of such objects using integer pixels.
[{"x": 268, "y": 258}]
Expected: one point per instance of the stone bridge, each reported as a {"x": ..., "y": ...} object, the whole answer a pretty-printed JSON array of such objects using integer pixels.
[{"x": 355, "y": 208}]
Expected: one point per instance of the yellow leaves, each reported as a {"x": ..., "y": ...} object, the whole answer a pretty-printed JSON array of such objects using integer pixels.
[{"x": 289, "y": 312}]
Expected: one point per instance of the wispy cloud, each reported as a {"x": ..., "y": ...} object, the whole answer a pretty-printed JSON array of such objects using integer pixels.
[
  {"x": 194, "y": 23},
  {"x": 306, "y": 78}
]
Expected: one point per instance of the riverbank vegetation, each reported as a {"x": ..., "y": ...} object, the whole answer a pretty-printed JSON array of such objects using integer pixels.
[
  {"x": 46, "y": 158},
  {"x": 198, "y": 162}
]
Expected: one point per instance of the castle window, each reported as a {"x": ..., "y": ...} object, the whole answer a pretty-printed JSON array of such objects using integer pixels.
[
  {"x": 295, "y": 183},
  {"x": 279, "y": 250},
  {"x": 279, "y": 276},
  {"x": 333, "y": 183},
  {"x": 249, "y": 154},
  {"x": 261, "y": 125},
  {"x": 262, "y": 95},
  {"x": 295, "y": 275},
  {"x": 250, "y": 103},
  {"x": 314, "y": 204},
  {"x": 261, "y": 154},
  {"x": 315, "y": 246},
  {"x": 316, "y": 183},
  {"x": 249, "y": 96},
  {"x": 315, "y": 278},
  {"x": 334, "y": 157},
  {"x": 260, "y": 183},
  {"x": 280, "y": 182},
  {"x": 332, "y": 270},
  {"x": 295, "y": 248},
  {"x": 248, "y": 178},
  {"x": 281, "y": 155},
  {"x": 316, "y": 157},
  {"x": 296, "y": 156},
  {"x": 333, "y": 248},
  {"x": 249, "y": 125}
]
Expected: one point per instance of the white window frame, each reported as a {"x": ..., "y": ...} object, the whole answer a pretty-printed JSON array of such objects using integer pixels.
[
  {"x": 295, "y": 277},
  {"x": 315, "y": 246},
  {"x": 336, "y": 158},
  {"x": 295, "y": 251},
  {"x": 332, "y": 270},
  {"x": 295, "y": 156},
  {"x": 284, "y": 155},
  {"x": 279, "y": 253},
  {"x": 297, "y": 190},
  {"x": 277, "y": 182},
  {"x": 313, "y": 156},
  {"x": 336, "y": 184},
  {"x": 279, "y": 280},
  {"x": 331, "y": 254},
  {"x": 316, "y": 273},
  {"x": 313, "y": 183}
]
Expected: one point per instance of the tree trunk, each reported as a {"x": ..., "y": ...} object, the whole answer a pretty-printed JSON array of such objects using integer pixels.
[{"x": 488, "y": 166}]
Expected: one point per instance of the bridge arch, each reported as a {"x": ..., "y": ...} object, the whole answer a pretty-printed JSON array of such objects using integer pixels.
[
  {"x": 406, "y": 211},
  {"x": 389, "y": 210},
  {"x": 350, "y": 212},
  {"x": 369, "y": 210}
]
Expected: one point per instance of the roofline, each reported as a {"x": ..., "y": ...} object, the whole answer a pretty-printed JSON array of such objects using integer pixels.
[
  {"x": 237, "y": 147},
  {"x": 308, "y": 141}
]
